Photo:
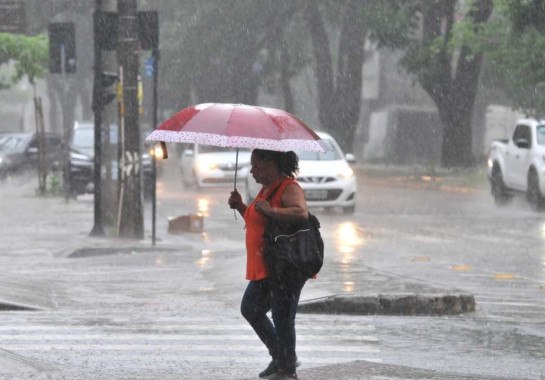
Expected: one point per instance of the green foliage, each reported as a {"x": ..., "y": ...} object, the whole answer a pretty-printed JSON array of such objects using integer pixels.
[
  {"x": 515, "y": 47},
  {"x": 29, "y": 53},
  {"x": 55, "y": 184},
  {"x": 525, "y": 14}
]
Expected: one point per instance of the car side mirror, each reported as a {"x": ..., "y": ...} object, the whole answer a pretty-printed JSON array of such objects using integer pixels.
[
  {"x": 350, "y": 158},
  {"x": 522, "y": 143}
]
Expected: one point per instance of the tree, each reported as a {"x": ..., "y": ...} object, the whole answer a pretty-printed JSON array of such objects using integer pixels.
[
  {"x": 30, "y": 55},
  {"x": 515, "y": 48},
  {"x": 340, "y": 85},
  {"x": 78, "y": 85},
  {"x": 448, "y": 69}
]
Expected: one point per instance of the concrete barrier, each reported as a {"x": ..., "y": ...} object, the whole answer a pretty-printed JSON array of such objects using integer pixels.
[{"x": 391, "y": 304}]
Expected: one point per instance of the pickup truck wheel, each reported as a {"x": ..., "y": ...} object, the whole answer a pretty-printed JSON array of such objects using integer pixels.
[
  {"x": 499, "y": 191},
  {"x": 536, "y": 200}
]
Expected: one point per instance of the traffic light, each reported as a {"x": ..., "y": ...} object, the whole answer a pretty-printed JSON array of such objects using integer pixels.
[
  {"x": 101, "y": 95},
  {"x": 62, "y": 42}
]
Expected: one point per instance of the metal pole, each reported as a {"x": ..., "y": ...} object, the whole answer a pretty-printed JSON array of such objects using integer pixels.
[
  {"x": 155, "y": 55},
  {"x": 65, "y": 131},
  {"x": 97, "y": 230}
]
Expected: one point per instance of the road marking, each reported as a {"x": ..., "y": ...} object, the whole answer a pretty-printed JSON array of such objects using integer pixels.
[
  {"x": 504, "y": 276},
  {"x": 461, "y": 268},
  {"x": 169, "y": 342},
  {"x": 421, "y": 259}
]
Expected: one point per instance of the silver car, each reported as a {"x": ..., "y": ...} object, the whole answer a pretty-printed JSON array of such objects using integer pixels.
[{"x": 208, "y": 166}]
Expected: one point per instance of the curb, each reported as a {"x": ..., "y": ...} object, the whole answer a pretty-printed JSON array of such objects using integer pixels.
[
  {"x": 24, "y": 293},
  {"x": 125, "y": 250},
  {"x": 391, "y": 304}
]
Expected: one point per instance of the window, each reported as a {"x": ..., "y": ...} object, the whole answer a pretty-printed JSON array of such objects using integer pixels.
[
  {"x": 333, "y": 154},
  {"x": 540, "y": 131},
  {"x": 522, "y": 132}
]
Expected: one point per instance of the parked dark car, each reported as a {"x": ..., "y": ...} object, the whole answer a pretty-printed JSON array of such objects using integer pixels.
[
  {"x": 82, "y": 152},
  {"x": 19, "y": 152}
]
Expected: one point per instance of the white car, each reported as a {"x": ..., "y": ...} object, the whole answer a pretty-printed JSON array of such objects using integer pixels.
[
  {"x": 326, "y": 178},
  {"x": 208, "y": 166}
]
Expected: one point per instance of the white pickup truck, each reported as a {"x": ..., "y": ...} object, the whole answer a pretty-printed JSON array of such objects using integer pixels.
[{"x": 518, "y": 164}]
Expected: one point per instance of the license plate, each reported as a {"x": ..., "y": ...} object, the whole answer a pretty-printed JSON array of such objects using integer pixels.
[{"x": 316, "y": 194}]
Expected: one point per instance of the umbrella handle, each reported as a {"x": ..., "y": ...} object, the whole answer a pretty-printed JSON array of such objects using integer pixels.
[{"x": 236, "y": 169}]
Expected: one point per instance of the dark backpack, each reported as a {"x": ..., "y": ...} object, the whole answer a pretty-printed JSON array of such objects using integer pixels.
[{"x": 293, "y": 251}]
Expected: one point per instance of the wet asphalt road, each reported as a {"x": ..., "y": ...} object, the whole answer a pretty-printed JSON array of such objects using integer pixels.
[
  {"x": 453, "y": 239},
  {"x": 174, "y": 315}
]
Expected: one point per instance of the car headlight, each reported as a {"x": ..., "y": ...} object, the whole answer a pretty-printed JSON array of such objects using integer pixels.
[
  {"x": 490, "y": 163},
  {"x": 346, "y": 172},
  {"x": 204, "y": 166},
  {"x": 157, "y": 152}
]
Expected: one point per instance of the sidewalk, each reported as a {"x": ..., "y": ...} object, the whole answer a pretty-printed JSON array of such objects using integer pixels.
[{"x": 374, "y": 371}]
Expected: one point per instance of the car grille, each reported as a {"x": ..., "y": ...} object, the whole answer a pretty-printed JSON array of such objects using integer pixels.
[
  {"x": 327, "y": 195},
  {"x": 315, "y": 179}
]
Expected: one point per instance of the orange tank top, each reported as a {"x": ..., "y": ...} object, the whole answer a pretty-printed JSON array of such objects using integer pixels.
[{"x": 255, "y": 228}]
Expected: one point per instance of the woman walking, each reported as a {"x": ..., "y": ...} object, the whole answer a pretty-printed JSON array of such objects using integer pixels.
[{"x": 280, "y": 197}]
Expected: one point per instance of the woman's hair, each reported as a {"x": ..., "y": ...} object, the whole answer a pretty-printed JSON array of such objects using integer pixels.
[{"x": 287, "y": 162}]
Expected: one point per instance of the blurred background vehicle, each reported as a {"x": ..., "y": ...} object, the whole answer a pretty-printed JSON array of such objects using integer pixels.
[
  {"x": 326, "y": 178},
  {"x": 82, "y": 152},
  {"x": 207, "y": 165},
  {"x": 19, "y": 152}
]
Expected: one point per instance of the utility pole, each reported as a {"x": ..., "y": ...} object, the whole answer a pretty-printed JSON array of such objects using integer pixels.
[
  {"x": 131, "y": 220},
  {"x": 97, "y": 106},
  {"x": 110, "y": 117}
]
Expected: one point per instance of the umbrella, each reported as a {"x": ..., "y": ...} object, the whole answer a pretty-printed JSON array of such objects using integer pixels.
[{"x": 239, "y": 126}]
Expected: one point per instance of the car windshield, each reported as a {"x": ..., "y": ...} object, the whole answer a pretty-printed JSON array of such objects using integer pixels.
[
  {"x": 83, "y": 137},
  {"x": 330, "y": 155},
  {"x": 214, "y": 149},
  {"x": 11, "y": 144},
  {"x": 540, "y": 131}
]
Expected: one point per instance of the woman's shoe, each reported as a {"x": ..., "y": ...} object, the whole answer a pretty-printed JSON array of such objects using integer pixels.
[
  {"x": 269, "y": 371},
  {"x": 282, "y": 375},
  {"x": 272, "y": 368}
]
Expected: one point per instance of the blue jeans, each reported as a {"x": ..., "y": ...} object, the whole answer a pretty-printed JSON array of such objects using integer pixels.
[{"x": 262, "y": 296}]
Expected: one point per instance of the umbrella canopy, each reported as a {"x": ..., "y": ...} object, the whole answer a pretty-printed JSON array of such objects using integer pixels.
[{"x": 239, "y": 126}]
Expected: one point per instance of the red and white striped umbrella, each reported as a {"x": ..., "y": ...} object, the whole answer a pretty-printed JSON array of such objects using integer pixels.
[{"x": 239, "y": 126}]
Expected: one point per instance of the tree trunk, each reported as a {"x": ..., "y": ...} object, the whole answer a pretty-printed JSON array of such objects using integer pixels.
[
  {"x": 453, "y": 93},
  {"x": 339, "y": 99},
  {"x": 349, "y": 76},
  {"x": 324, "y": 63}
]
